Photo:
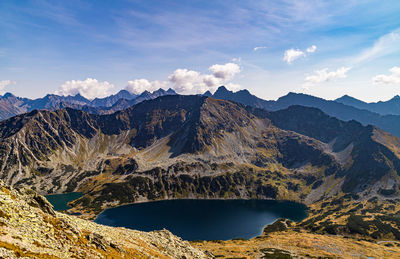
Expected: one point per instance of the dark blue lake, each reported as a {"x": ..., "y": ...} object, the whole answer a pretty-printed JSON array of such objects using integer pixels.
[
  {"x": 203, "y": 219},
  {"x": 59, "y": 201}
]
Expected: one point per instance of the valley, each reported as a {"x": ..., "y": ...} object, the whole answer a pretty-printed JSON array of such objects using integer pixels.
[{"x": 198, "y": 147}]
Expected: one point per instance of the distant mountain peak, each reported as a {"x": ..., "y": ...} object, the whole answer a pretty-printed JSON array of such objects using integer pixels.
[
  {"x": 160, "y": 91},
  {"x": 208, "y": 94},
  {"x": 221, "y": 89},
  {"x": 8, "y": 95},
  {"x": 123, "y": 91},
  {"x": 171, "y": 91},
  {"x": 244, "y": 91},
  {"x": 346, "y": 97}
]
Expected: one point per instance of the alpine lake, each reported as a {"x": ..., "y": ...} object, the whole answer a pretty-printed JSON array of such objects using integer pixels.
[{"x": 195, "y": 219}]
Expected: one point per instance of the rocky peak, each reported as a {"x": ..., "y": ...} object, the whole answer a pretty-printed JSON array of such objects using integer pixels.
[
  {"x": 221, "y": 91},
  {"x": 395, "y": 98},
  {"x": 208, "y": 93},
  {"x": 171, "y": 91}
]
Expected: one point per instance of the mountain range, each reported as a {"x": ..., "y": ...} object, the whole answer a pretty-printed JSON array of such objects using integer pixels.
[
  {"x": 389, "y": 123},
  {"x": 11, "y": 105},
  {"x": 385, "y": 115},
  {"x": 195, "y": 146},
  {"x": 390, "y": 107}
]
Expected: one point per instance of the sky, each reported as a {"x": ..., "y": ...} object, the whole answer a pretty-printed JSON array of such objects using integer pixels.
[{"x": 96, "y": 48}]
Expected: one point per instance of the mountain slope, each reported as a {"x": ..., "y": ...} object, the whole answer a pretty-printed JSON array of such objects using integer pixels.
[
  {"x": 195, "y": 146},
  {"x": 11, "y": 105},
  {"x": 372, "y": 159},
  {"x": 29, "y": 228},
  {"x": 389, "y": 123}
]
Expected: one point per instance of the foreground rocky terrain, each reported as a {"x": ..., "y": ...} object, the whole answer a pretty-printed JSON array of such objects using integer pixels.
[
  {"x": 30, "y": 228},
  {"x": 300, "y": 244}
]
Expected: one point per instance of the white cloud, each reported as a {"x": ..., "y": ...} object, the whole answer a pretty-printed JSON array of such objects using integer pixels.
[
  {"x": 185, "y": 81},
  {"x": 192, "y": 82},
  {"x": 323, "y": 75},
  {"x": 4, "y": 84},
  {"x": 392, "y": 79},
  {"x": 311, "y": 49},
  {"x": 259, "y": 47},
  {"x": 89, "y": 88},
  {"x": 292, "y": 54},
  {"x": 138, "y": 86},
  {"x": 225, "y": 72}
]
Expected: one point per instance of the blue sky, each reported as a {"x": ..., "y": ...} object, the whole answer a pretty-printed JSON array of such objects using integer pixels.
[{"x": 100, "y": 47}]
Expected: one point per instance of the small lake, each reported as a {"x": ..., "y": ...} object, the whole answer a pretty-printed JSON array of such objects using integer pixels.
[
  {"x": 203, "y": 219},
  {"x": 59, "y": 201}
]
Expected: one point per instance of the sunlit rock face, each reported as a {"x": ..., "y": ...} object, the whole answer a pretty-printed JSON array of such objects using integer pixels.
[{"x": 30, "y": 228}]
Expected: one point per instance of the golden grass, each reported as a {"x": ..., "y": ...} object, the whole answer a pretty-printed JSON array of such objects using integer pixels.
[{"x": 300, "y": 244}]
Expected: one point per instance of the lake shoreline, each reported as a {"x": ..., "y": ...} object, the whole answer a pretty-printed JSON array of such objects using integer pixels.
[
  {"x": 254, "y": 215},
  {"x": 60, "y": 201}
]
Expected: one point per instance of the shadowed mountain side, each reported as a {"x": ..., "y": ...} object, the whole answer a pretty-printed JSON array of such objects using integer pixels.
[{"x": 389, "y": 123}]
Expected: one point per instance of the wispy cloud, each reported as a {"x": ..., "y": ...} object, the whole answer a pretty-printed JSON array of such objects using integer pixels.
[
  {"x": 385, "y": 45},
  {"x": 259, "y": 47}
]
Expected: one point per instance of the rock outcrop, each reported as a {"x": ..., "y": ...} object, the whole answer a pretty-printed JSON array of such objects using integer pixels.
[{"x": 30, "y": 228}]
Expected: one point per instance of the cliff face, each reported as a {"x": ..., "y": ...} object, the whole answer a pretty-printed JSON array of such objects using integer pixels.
[
  {"x": 198, "y": 147},
  {"x": 30, "y": 228}
]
